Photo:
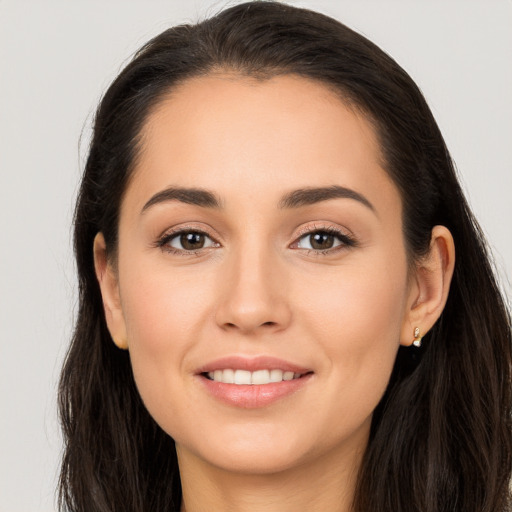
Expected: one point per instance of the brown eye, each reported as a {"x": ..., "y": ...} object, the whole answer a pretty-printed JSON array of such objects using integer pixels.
[
  {"x": 321, "y": 240},
  {"x": 188, "y": 241},
  {"x": 324, "y": 240},
  {"x": 192, "y": 241}
]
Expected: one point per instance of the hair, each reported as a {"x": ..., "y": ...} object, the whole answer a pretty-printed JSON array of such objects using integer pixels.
[{"x": 440, "y": 439}]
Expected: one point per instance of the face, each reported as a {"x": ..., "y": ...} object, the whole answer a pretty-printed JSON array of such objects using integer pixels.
[{"x": 262, "y": 276}]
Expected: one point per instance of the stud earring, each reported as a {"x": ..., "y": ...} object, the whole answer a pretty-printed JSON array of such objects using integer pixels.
[{"x": 417, "y": 338}]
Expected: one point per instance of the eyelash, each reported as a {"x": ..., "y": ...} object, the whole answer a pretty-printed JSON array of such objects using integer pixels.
[
  {"x": 166, "y": 238},
  {"x": 346, "y": 240}
]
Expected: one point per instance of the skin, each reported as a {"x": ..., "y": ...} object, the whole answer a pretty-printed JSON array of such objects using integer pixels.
[{"x": 257, "y": 288}]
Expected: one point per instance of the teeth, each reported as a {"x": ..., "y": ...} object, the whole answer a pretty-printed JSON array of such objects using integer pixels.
[
  {"x": 260, "y": 377},
  {"x": 276, "y": 375},
  {"x": 242, "y": 377},
  {"x": 230, "y": 376}
]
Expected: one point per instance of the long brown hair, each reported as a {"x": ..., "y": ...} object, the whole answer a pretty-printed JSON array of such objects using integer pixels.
[{"x": 441, "y": 435}]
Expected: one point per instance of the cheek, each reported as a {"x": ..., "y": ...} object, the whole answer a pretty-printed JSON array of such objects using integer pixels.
[
  {"x": 165, "y": 314},
  {"x": 357, "y": 324},
  {"x": 361, "y": 306},
  {"x": 164, "y": 317},
  {"x": 161, "y": 306}
]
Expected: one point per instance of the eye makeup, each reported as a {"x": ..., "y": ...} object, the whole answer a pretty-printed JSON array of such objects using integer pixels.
[{"x": 316, "y": 239}]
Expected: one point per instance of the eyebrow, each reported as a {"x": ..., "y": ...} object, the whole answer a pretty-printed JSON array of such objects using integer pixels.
[
  {"x": 195, "y": 196},
  {"x": 295, "y": 199},
  {"x": 308, "y": 196}
]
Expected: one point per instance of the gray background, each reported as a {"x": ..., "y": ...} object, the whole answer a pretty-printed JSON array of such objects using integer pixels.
[{"x": 56, "y": 59}]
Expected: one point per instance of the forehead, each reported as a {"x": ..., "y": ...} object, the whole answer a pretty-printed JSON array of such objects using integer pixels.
[{"x": 236, "y": 134}]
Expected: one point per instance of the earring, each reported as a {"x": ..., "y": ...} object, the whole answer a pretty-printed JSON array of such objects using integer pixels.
[{"x": 417, "y": 338}]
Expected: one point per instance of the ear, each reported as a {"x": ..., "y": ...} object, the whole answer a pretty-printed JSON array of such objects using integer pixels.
[
  {"x": 109, "y": 286},
  {"x": 429, "y": 286}
]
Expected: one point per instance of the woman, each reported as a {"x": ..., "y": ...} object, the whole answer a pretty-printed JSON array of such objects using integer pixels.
[{"x": 271, "y": 315}]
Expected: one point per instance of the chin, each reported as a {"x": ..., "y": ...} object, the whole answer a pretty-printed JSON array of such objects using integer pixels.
[
  {"x": 250, "y": 451},
  {"x": 256, "y": 460}
]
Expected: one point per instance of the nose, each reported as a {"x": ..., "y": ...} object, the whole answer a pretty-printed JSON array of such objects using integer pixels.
[{"x": 254, "y": 294}]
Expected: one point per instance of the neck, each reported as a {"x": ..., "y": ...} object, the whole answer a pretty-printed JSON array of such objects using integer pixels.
[{"x": 326, "y": 484}]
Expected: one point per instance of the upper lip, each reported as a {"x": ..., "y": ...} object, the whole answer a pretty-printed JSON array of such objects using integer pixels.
[{"x": 252, "y": 364}]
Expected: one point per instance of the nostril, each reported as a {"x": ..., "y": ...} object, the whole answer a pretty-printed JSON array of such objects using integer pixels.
[{"x": 248, "y": 327}]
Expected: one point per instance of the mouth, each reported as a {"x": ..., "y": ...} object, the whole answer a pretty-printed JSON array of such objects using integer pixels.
[
  {"x": 254, "y": 378},
  {"x": 251, "y": 383}
]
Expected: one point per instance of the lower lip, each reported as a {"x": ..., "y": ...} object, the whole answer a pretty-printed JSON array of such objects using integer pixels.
[{"x": 253, "y": 396}]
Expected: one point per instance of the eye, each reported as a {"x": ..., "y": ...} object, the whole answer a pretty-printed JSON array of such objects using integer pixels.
[
  {"x": 323, "y": 240},
  {"x": 187, "y": 241}
]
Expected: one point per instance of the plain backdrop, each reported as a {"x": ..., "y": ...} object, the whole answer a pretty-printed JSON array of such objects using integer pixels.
[{"x": 58, "y": 57}]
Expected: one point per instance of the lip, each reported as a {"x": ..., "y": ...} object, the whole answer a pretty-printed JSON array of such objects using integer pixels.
[
  {"x": 253, "y": 396},
  {"x": 252, "y": 364}
]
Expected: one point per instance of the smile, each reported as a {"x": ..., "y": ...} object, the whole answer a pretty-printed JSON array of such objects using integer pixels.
[
  {"x": 245, "y": 377},
  {"x": 252, "y": 382}
]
